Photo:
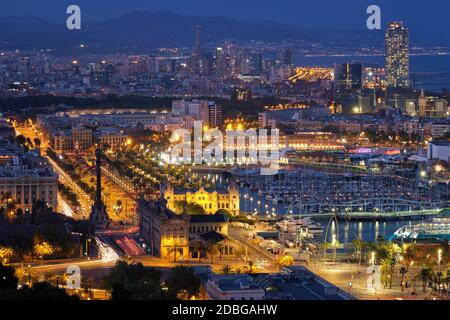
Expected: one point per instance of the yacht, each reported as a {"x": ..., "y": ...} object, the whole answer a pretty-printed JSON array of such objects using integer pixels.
[{"x": 437, "y": 230}]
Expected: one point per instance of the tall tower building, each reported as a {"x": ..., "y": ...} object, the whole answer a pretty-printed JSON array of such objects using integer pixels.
[
  {"x": 198, "y": 40},
  {"x": 397, "y": 55},
  {"x": 196, "y": 58},
  {"x": 422, "y": 104}
]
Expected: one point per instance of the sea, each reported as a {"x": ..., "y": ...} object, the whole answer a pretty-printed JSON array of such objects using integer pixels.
[{"x": 429, "y": 72}]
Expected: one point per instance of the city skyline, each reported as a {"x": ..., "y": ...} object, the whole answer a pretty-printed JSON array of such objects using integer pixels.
[{"x": 285, "y": 156}]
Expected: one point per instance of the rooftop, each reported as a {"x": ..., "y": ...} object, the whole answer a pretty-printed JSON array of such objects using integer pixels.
[
  {"x": 441, "y": 143},
  {"x": 292, "y": 283},
  {"x": 208, "y": 218}
]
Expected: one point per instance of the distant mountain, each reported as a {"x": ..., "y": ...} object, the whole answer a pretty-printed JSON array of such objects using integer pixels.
[{"x": 151, "y": 30}]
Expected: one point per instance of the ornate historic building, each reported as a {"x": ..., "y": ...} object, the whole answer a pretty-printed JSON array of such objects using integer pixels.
[
  {"x": 211, "y": 199},
  {"x": 181, "y": 237}
]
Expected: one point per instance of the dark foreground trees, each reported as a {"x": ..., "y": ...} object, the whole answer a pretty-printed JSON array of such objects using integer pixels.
[
  {"x": 38, "y": 291},
  {"x": 137, "y": 282}
]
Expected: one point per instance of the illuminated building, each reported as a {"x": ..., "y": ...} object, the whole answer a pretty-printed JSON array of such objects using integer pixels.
[
  {"x": 165, "y": 233},
  {"x": 348, "y": 93},
  {"x": 256, "y": 65},
  {"x": 211, "y": 200},
  {"x": 72, "y": 140},
  {"x": 173, "y": 236},
  {"x": 198, "y": 109},
  {"x": 215, "y": 116},
  {"x": 241, "y": 94},
  {"x": 138, "y": 64},
  {"x": 374, "y": 77},
  {"x": 347, "y": 77},
  {"x": 112, "y": 137},
  {"x": 422, "y": 104},
  {"x": 397, "y": 55},
  {"x": 432, "y": 107},
  {"x": 26, "y": 179}
]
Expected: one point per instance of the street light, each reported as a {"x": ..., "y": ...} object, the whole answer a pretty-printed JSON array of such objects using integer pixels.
[{"x": 439, "y": 258}]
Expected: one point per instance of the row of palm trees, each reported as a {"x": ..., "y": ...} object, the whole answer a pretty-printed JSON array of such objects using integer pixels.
[
  {"x": 389, "y": 255},
  {"x": 210, "y": 248}
]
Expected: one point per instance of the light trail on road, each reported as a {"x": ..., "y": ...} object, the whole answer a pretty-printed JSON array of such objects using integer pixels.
[
  {"x": 107, "y": 253},
  {"x": 65, "y": 208}
]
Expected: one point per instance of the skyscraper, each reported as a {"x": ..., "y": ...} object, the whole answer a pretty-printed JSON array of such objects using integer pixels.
[
  {"x": 256, "y": 64},
  {"x": 397, "y": 55},
  {"x": 196, "y": 58},
  {"x": 198, "y": 40},
  {"x": 348, "y": 93},
  {"x": 347, "y": 77}
]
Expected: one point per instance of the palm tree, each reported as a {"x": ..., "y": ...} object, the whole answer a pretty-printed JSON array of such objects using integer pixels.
[
  {"x": 403, "y": 271},
  {"x": 358, "y": 244},
  {"x": 409, "y": 255},
  {"x": 43, "y": 249},
  {"x": 425, "y": 274},
  {"x": 198, "y": 248},
  {"x": 250, "y": 266},
  {"x": 439, "y": 275},
  {"x": 211, "y": 248},
  {"x": 447, "y": 278},
  {"x": 5, "y": 254},
  {"x": 392, "y": 249},
  {"x": 220, "y": 248},
  {"x": 368, "y": 247},
  {"x": 227, "y": 269},
  {"x": 387, "y": 268}
]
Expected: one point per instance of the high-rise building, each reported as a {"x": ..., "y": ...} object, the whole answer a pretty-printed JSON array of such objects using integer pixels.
[
  {"x": 348, "y": 93},
  {"x": 347, "y": 77},
  {"x": 288, "y": 57},
  {"x": 397, "y": 55},
  {"x": 256, "y": 65},
  {"x": 196, "y": 58},
  {"x": 215, "y": 115},
  {"x": 198, "y": 40}
]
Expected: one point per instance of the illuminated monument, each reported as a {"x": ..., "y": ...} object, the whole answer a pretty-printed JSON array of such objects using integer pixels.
[{"x": 99, "y": 217}]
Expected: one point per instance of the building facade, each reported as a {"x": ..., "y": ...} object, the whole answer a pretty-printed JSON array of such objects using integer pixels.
[
  {"x": 211, "y": 200},
  {"x": 27, "y": 179},
  {"x": 397, "y": 55},
  {"x": 174, "y": 237}
]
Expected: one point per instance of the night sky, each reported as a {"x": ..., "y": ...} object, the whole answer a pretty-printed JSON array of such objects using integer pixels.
[{"x": 426, "y": 18}]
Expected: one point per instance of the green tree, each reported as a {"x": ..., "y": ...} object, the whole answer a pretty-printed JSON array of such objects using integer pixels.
[
  {"x": 195, "y": 209},
  {"x": 44, "y": 291},
  {"x": 134, "y": 281},
  {"x": 183, "y": 283},
  {"x": 21, "y": 140},
  {"x": 211, "y": 249},
  {"x": 426, "y": 274},
  {"x": 8, "y": 279},
  {"x": 37, "y": 142},
  {"x": 403, "y": 271}
]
